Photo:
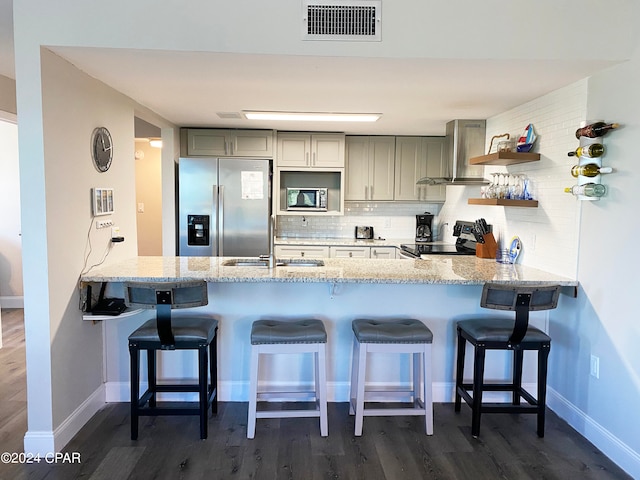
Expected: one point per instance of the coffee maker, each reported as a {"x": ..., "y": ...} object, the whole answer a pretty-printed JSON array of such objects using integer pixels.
[{"x": 423, "y": 227}]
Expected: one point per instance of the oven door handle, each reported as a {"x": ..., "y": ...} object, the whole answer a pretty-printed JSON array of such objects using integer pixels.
[{"x": 406, "y": 255}]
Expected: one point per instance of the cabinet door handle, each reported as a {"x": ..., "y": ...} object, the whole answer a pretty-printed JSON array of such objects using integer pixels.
[
  {"x": 371, "y": 192},
  {"x": 302, "y": 254},
  {"x": 314, "y": 159},
  {"x": 307, "y": 159},
  {"x": 351, "y": 254},
  {"x": 366, "y": 192}
]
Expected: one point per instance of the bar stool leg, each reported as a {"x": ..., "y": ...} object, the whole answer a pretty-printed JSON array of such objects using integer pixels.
[
  {"x": 360, "y": 383},
  {"x": 543, "y": 357},
  {"x": 354, "y": 378},
  {"x": 151, "y": 376},
  {"x": 417, "y": 379},
  {"x": 134, "y": 353},
  {"x": 518, "y": 356},
  {"x": 321, "y": 388},
  {"x": 462, "y": 344},
  {"x": 213, "y": 374},
  {"x": 202, "y": 389},
  {"x": 478, "y": 380},
  {"x": 253, "y": 392},
  {"x": 428, "y": 389}
]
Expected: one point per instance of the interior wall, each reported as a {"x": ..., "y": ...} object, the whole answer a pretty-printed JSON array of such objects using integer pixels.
[
  {"x": 10, "y": 243},
  {"x": 149, "y": 199},
  {"x": 605, "y": 323},
  {"x": 73, "y": 105}
]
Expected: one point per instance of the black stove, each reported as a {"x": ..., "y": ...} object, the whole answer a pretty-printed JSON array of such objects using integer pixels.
[
  {"x": 417, "y": 249},
  {"x": 465, "y": 243}
]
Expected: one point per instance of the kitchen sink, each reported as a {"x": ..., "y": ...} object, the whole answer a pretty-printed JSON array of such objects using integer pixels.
[{"x": 257, "y": 262}]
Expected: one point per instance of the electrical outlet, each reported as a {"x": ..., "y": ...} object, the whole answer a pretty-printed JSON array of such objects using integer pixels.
[
  {"x": 115, "y": 232},
  {"x": 104, "y": 223},
  {"x": 595, "y": 366}
]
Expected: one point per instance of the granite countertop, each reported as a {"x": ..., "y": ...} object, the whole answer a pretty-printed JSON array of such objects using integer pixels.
[{"x": 438, "y": 269}]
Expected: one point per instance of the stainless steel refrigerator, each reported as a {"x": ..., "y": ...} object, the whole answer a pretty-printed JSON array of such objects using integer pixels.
[{"x": 223, "y": 207}]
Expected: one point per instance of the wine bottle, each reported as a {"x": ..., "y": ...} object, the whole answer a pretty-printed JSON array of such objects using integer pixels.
[
  {"x": 591, "y": 151},
  {"x": 589, "y": 170},
  {"x": 594, "y": 130},
  {"x": 588, "y": 190}
]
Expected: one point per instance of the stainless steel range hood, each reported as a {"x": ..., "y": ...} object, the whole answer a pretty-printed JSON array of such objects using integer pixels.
[{"x": 465, "y": 139}]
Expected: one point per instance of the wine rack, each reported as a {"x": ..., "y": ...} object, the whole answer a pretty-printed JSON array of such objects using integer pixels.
[{"x": 582, "y": 180}]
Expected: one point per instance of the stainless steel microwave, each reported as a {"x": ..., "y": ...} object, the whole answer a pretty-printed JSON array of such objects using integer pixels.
[{"x": 307, "y": 199}]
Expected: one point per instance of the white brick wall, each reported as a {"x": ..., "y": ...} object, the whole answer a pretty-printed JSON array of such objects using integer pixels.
[
  {"x": 549, "y": 233},
  {"x": 389, "y": 220}
]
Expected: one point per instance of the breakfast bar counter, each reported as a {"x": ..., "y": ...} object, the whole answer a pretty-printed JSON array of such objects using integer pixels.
[
  {"x": 437, "y": 291},
  {"x": 439, "y": 269}
]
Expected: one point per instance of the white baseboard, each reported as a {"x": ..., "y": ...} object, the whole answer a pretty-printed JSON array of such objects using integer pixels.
[
  {"x": 49, "y": 442},
  {"x": 619, "y": 452},
  {"x": 12, "y": 302},
  {"x": 39, "y": 442}
]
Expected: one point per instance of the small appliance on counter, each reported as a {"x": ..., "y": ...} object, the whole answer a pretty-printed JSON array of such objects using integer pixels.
[
  {"x": 465, "y": 243},
  {"x": 423, "y": 227},
  {"x": 364, "y": 233}
]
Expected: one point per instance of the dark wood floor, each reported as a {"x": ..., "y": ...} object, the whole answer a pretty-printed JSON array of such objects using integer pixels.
[{"x": 390, "y": 448}]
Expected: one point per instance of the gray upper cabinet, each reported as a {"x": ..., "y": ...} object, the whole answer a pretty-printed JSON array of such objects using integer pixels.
[
  {"x": 369, "y": 168},
  {"x": 228, "y": 143},
  {"x": 418, "y": 157},
  {"x": 317, "y": 150}
]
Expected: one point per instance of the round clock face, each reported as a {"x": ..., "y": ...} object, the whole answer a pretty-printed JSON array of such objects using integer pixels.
[{"x": 101, "y": 149}]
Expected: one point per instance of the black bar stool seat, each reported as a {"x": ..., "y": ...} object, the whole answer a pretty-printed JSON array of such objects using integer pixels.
[
  {"x": 500, "y": 333},
  {"x": 172, "y": 330}
]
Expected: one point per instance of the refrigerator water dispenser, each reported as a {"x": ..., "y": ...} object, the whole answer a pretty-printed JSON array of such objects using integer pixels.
[{"x": 198, "y": 230}]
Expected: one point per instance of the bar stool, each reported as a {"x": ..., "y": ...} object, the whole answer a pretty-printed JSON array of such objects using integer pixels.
[
  {"x": 499, "y": 333},
  {"x": 294, "y": 336},
  {"x": 391, "y": 336},
  {"x": 172, "y": 331}
]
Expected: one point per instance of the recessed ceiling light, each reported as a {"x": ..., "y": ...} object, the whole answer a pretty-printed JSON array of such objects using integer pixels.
[{"x": 312, "y": 116}]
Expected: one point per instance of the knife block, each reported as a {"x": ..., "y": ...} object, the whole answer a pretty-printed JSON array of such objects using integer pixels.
[{"x": 487, "y": 249}]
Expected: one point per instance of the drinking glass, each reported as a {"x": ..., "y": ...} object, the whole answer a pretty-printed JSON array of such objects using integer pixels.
[{"x": 492, "y": 188}]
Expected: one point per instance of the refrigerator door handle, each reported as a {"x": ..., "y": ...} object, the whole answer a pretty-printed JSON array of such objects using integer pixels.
[{"x": 221, "y": 220}]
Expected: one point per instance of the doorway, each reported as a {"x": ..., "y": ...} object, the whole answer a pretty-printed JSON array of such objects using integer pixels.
[{"x": 148, "y": 166}]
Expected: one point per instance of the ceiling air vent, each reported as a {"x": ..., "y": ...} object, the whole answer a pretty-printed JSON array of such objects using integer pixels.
[{"x": 357, "y": 20}]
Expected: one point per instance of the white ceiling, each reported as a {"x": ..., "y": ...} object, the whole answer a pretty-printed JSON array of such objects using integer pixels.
[{"x": 415, "y": 96}]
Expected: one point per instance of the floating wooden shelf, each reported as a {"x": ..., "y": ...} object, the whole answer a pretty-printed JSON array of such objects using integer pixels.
[
  {"x": 505, "y": 158},
  {"x": 504, "y": 202}
]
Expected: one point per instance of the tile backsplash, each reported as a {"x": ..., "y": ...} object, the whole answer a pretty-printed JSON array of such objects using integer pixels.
[
  {"x": 549, "y": 233},
  {"x": 388, "y": 219}
]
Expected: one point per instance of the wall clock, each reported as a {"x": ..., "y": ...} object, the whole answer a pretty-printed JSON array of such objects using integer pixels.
[{"x": 101, "y": 149}]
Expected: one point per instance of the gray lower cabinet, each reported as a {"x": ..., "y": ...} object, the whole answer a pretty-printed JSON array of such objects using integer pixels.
[
  {"x": 349, "y": 252},
  {"x": 383, "y": 252},
  {"x": 415, "y": 158},
  {"x": 301, "y": 251},
  {"x": 334, "y": 251}
]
